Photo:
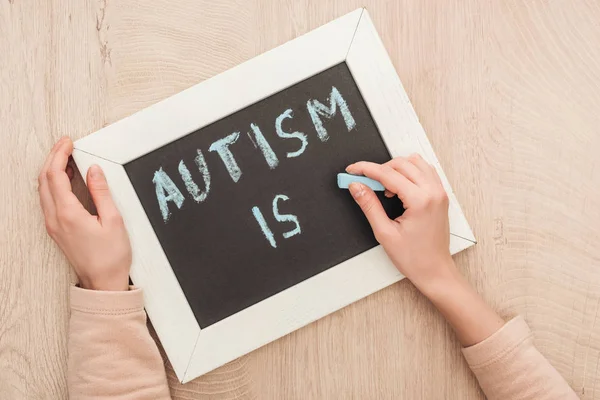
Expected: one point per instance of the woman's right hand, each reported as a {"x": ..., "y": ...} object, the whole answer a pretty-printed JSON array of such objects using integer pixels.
[{"x": 418, "y": 241}]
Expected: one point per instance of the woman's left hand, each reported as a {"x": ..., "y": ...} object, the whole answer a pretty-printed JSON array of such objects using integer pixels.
[{"x": 97, "y": 246}]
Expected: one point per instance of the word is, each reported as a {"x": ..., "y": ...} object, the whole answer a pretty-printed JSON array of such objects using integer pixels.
[{"x": 279, "y": 217}]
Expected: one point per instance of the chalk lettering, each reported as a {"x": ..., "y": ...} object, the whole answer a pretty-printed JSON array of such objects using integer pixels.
[
  {"x": 285, "y": 135},
  {"x": 166, "y": 191},
  {"x": 264, "y": 146},
  {"x": 221, "y": 146},
  {"x": 285, "y": 217},
  {"x": 317, "y": 109},
  {"x": 263, "y": 226},
  {"x": 190, "y": 185}
]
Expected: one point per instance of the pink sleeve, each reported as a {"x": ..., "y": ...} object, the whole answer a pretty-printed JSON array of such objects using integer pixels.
[
  {"x": 111, "y": 353},
  {"x": 508, "y": 366}
]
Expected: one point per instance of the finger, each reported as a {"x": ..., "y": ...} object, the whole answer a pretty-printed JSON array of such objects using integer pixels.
[
  {"x": 408, "y": 169},
  {"x": 96, "y": 181},
  {"x": 418, "y": 161},
  {"x": 49, "y": 158},
  {"x": 371, "y": 207},
  {"x": 391, "y": 179},
  {"x": 46, "y": 200},
  {"x": 71, "y": 168},
  {"x": 58, "y": 180},
  {"x": 47, "y": 203},
  {"x": 435, "y": 175},
  {"x": 423, "y": 165},
  {"x": 388, "y": 194}
]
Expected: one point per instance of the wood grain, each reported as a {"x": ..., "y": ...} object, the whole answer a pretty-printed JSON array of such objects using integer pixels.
[{"x": 508, "y": 93}]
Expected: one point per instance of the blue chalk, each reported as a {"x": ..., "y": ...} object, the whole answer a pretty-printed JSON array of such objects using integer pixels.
[{"x": 344, "y": 180}]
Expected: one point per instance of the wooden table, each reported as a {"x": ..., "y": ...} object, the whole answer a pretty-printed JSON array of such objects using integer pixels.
[{"x": 508, "y": 91}]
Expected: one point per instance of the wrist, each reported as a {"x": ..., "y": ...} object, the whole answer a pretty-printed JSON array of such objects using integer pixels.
[
  {"x": 471, "y": 318},
  {"x": 442, "y": 283},
  {"x": 115, "y": 284}
]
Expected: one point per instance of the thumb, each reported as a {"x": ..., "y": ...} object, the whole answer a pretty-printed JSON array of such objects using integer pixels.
[
  {"x": 101, "y": 194},
  {"x": 371, "y": 207}
]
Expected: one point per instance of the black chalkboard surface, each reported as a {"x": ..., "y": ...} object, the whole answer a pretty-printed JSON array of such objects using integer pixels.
[{"x": 248, "y": 206}]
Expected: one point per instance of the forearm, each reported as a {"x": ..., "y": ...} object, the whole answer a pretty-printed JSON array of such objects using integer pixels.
[
  {"x": 111, "y": 352},
  {"x": 468, "y": 314},
  {"x": 502, "y": 356}
]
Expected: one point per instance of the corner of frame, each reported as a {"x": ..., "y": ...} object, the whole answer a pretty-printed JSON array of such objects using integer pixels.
[
  {"x": 186, "y": 377},
  {"x": 85, "y": 160},
  {"x": 359, "y": 12},
  {"x": 459, "y": 243}
]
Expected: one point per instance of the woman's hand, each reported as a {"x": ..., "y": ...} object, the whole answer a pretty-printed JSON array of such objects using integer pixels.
[
  {"x": 418, "y": 241},
  {"x": 97, "y": 246}
]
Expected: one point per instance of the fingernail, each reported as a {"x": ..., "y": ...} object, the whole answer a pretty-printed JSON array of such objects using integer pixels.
[
  {"x": 356, "y": 189},
  {"x": 350, "y": 168},
  {"x": 96, "y": 172}
]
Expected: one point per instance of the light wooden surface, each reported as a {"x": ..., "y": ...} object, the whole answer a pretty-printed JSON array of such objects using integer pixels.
[{"x": 508, "y": 92}]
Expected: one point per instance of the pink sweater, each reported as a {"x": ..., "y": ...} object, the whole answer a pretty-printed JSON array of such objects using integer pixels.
[{"x": 112, "y": 356}]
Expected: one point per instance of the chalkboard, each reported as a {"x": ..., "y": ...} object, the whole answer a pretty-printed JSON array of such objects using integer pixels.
[{"x": 248, "y": 206}]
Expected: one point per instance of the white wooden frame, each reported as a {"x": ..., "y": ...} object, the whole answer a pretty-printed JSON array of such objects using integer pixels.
[{"x": 194, "y": 351}]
